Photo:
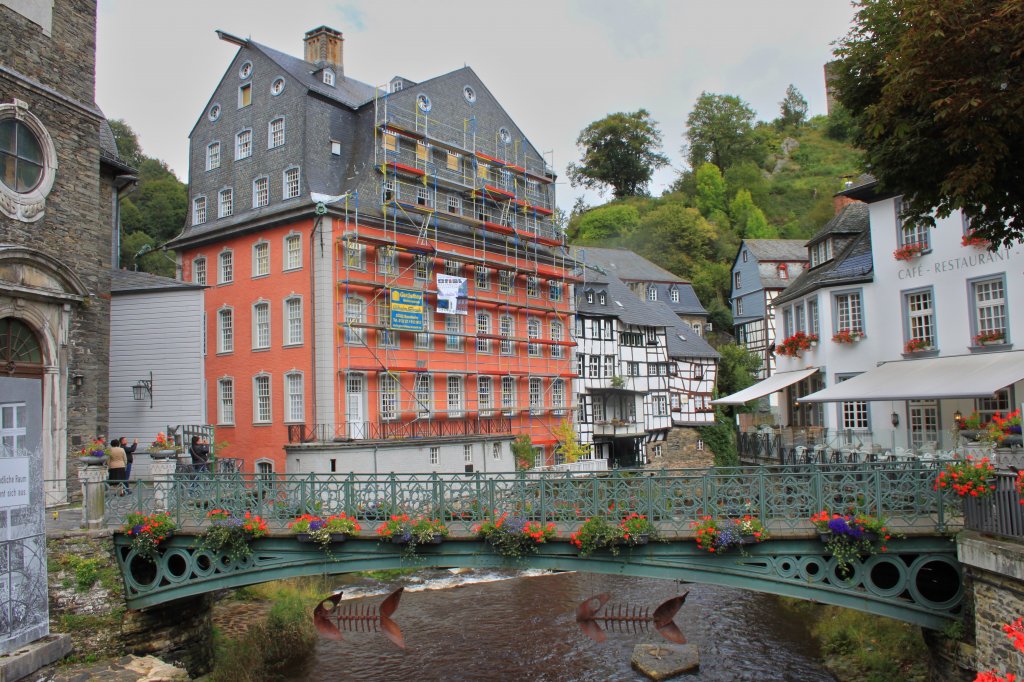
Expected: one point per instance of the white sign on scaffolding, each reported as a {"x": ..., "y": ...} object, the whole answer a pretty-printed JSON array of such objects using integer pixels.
[{"x": 452, "y": 295}]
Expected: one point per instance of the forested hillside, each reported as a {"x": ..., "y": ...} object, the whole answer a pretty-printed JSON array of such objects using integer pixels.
[{"x": 776, "y": 181}]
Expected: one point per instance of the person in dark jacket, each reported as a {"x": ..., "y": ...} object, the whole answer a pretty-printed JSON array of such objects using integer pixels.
[
  {"x": 200, "y": 454},
  {"x": 129, "y": 450}
]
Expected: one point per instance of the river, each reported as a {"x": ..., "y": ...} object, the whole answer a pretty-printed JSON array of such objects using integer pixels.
[{"x": 489, "y": 626}]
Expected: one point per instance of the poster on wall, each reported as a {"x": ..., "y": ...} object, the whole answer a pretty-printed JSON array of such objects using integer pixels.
[
  {"x": 407, "y": 310},
  {"x": 452, "y": 295}
]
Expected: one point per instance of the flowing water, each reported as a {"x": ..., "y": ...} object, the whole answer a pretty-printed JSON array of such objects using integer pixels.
[{"x": 490, "y": 626}]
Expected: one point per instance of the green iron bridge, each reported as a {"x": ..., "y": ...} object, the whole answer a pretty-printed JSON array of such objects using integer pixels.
[{"x": 918, "y": 579}]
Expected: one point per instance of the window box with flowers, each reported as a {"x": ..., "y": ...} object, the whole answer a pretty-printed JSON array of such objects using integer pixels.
[
  {"x": 847, "y": 336},
  {"x": 990, "y": 338},
  {"x": 231, "y": 535},
  {"x": 512, "y": 536},
  {"x": 977, "y": 241},
  {"x": 336, "y": 528},
  {"x": 797, "y": 344},
  {"x": 917, "y": 346},
  {"x": 147, "y": 533},
  {"x": 908, "y": 252},
  {"x": 849, "y": 536},
  {"x": 412, "y": 533}
]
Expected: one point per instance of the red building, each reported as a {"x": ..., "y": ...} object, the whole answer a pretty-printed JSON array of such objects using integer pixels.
[{"x": 387, "y": 290}]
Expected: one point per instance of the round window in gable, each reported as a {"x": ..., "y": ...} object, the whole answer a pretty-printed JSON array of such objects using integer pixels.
[
  {"x": 245, "y": 70},
  {"x": 423, "y": 102},
  {"x": 504, "y": 135},
  {"x": 277, "y": 87},
  {"x": 469, "y": 93},
  {"x": 214, "y": 112},
  {"x": 28, "y": 159}
]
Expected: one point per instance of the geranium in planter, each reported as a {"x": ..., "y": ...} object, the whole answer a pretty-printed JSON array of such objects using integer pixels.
[
  {"x": 990, "y": 337},
  {"x": 597, "y": 533},
  {"x": 513, "y": 536},
  {"x": 849, "y": 536},
  {"x": 637, "y": 530},
  {"x": 147, "y": 533},
  {"x": 968, "y": 477},
  {"x": 400, "y": 529},
  {"x": 908, "y": 252},
  {"x": 796, "y": 344},
  {"x": 915, "y": 345},
  {"x": 751, "y": 529},
  {"x": 96, "y": 452},
  {"x": 232, "y": 535},
  {"x": 847, "y": 336},
  {"x": 323, "y": 532},
  {"x": 971, "y": 239},
  {"x": 714, "y": 539}
]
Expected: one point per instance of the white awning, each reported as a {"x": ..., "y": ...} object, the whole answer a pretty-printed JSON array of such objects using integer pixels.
[
  {"x": 958, "y": 376},
  {"x": 775, "y": 382}
]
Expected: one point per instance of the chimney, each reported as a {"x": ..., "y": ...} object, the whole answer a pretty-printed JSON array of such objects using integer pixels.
[
  {"x": 839, "y": 202},
  {"x": 324, "y": 48}
]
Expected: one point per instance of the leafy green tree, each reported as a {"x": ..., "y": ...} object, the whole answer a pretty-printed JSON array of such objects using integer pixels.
[
  {"x": 840, "y": 124},
  {"x": 737, "y": 368},
  {"x": 710, "y": 189},
  {"x": 720, "y": 130},
  {"x": 749, "y": 219},
  {"x": 749, "y": 176},
  {"x": 569, "y": 445},
  {"x": 127, "y": 142},
  {"x": 599, "y": 225},
  {"x": 620, "y": 151},
  {"x": 935, "y": 89},
  {"x": 720, "y": 438},
  {"x": 675, "y": 236},
  {"x": 793, "y": 108},
  {"x": 523, "y": 452}
]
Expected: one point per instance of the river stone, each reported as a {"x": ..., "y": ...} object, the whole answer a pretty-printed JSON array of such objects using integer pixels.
[
  {"x": 152, "y": 669},
  {"x": 665, "y": 661}
]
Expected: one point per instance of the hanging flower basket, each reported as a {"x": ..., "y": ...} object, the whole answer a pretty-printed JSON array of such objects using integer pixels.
[{"x": 849, "y": 536}]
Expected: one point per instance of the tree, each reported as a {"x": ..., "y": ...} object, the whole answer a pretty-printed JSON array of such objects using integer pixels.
[
  {"x": 128, "y": 147},
  {"x": 710, "y": 189},
  {"x": 720, "y": 130},
  {"x": 598, "y": 226},
  {"x": 934, "y": 87},
  {"x": 523, "y": 452},
  {"x": 793, "y": 109},
  {"x": 749, "y": 219},
  {"x": 569, "y": 445},
  {"x": 619, "y": 151}
]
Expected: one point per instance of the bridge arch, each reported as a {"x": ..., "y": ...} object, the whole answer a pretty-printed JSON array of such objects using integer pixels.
[{"x": 918, "y": 581}]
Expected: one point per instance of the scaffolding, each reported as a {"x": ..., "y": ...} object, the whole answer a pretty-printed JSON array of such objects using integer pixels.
[{"x": 456, "y": 204}]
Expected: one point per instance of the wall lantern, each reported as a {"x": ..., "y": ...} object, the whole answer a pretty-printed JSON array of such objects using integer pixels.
[
  {"x": 959, "y": 419},
  {"x": 895, "y": 419},
  {"x": 142, "y": 389}
]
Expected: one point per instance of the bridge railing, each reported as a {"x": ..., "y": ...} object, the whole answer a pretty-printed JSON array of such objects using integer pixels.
[
  {"x": 1000, "y": 513},
  {"x": 784, "y": 497}
]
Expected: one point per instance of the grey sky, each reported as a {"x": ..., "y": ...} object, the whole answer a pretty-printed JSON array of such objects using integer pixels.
[{"x": 556, "y": 65}]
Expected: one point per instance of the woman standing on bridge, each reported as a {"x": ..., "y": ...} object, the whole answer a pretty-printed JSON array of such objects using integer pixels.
[{"x": 117, "y": 466}]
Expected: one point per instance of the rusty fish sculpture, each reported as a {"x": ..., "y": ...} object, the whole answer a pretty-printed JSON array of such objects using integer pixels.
[
  {"x": 629, "y": 619},
  {"x": 330, "y": 619}
]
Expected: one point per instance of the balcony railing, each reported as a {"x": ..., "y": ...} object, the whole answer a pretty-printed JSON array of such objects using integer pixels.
[
  {"x": 1001, "y": 513},
  {"x": 397, "y": 430},
  {"x": 619, "y": 427},
  {"x": 807, "y": 445}
]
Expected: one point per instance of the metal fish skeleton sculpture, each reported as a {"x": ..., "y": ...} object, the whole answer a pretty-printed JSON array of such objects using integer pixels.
[
  {"x": 358, "y": 619},
  {"x": 625, "y": 618}
]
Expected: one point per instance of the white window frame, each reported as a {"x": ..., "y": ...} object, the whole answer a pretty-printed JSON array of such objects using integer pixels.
[
  {"x": 243, "y": 144},
  {"x": 508, "y": 394},
  {"x": 329, "y": 77},
  {"x": 354, "y": 254},
  {"x": 225, "y": 330},
  {"x": 262, "y": 402},
  {"x": 199, "y": 270},
  {"x": 557, "y": 334},
  {"x": 483, "y": 326},
  {"x": 558, "y": 396},
  {"x": 275, "y": 136},
  {"x": 554, "y": 290},
  {"x": 293, "y": 329},
  {"x": 291, "y": 183},
  {"x": 199, "y": 210},
  {"x": 261, "y": 335},
  {"x": 421, "y": 267},
  {"x": 261, "y": 192},
  {"x": 482, "y": 277},
  {"x": 536, "y": 395},
  {"x": 261, "y": 258},
  {"x": 456, "y": 393},
  {"x": 485, "y": 395},
  {"x": 453, "y": 340},
  {"x": 387, "y": 260},
  {"x": 294, "y": 397},
  {"x": 245, "y": 95},
  {"x": 435, "y": 455},
  {"x": 292, "y": 256},
  {"x": 507, "y": 330},
  {"x": 423, "y": 392},
  {"x": 533, "y": 331},
  {"x": 390, "y": 397},
  {"x": 989, "y": 309},
  {"x": 226, "y": 401},
  {"x": 532, "y": 287},
  {"x": 225, "y": 203},
  {"x": 213, "y": 155},
  {"x": 911, "y": 234},
  {"x": 506, "y": 281},
  {"x": 226, "y": 267},
  {"x": 919, "y": 316},
  {"x": 355, "y": 313},
  {"x": 848, "y": 311}
]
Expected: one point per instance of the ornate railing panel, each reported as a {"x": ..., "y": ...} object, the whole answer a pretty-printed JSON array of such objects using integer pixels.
[{"x": 1000, "y": 513}]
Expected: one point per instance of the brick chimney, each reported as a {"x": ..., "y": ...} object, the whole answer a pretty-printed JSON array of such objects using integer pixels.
[
  {"x": 324, "y": 48},
  {"x": 839, "y": 202}
]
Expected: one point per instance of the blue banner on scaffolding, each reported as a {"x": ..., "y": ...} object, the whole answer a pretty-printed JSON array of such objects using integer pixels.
[{"x": 407, "y": 310}]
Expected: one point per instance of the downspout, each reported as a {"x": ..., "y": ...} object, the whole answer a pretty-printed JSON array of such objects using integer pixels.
[{"x": 312, "y": 304}]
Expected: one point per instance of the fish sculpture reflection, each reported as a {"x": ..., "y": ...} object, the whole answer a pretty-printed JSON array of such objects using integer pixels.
[
  {"x": 330, "y": 619},
  {"x": 629, "y": 619}
]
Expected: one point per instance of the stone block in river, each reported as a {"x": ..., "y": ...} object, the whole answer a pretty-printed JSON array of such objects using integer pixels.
[{"x": 665, "y": 661}]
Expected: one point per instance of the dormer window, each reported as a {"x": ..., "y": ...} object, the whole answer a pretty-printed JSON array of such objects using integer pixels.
[
  {"x": 783, "y": 271},
  {"x": 602, "y": 299},
  {"x": 329, "y": 77},
  {"x": 652, "y": 294},
  {"x": 590, "y": 296},
  {"x": 397, "y": 85},
  {"x": 821, "y": 252},
  {"x": 674, "y": 294}
]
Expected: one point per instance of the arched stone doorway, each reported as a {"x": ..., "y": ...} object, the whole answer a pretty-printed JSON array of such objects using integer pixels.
[{"x": 21, "y": 354}]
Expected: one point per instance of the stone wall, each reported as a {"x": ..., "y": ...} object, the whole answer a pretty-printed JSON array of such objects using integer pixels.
[
  {"x": 679, "y": 451},
  {"x": 995, "y": 575},
  {"x": 94, "y": 614}
]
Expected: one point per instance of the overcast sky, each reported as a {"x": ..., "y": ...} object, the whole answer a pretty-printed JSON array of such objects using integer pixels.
[{"x": 555, "y": 65}]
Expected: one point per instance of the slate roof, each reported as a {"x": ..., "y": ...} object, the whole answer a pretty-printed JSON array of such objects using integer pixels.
[
  {"x": 347, "y": 90},
  {"x": 850, "y": 266},
  {"x": 132, "y": 282},
  {"x": 622, "y": 303},
  {"x": 625, "y": 264},
  {"x": 777, "y": 249},
  {"x": 850, "y": 220}
]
